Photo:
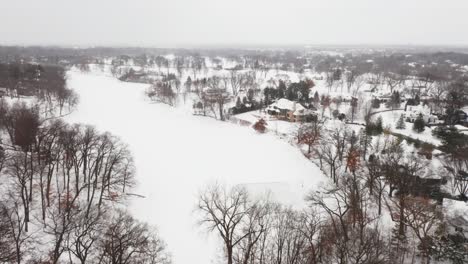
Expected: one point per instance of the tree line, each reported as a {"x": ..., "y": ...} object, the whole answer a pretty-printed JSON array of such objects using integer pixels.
[
  {"x": 63, "y": 189},
  {"x": 45, "y": 82},
  {"x": 372, "y": 178}
]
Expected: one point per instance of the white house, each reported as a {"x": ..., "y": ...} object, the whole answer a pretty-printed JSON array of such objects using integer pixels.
[{"x": 413, "y": 111}]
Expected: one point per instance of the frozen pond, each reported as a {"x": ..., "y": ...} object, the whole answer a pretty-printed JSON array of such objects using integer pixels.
[{"x": 176, "y": 154}]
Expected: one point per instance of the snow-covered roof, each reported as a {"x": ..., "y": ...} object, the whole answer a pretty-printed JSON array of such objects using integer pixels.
[
  {"x": 287, "y": 104},
  {"x": 417, "y": 109},
  {"x": 457, "y": 211}
]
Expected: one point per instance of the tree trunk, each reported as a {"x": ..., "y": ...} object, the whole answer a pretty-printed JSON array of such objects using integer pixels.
[
  {"x": 401, "y": 227},
  {"x": 229, "y": 254}
]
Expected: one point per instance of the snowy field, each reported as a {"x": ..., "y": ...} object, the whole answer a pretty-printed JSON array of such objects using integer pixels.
[{"x": 176, "y": 154}]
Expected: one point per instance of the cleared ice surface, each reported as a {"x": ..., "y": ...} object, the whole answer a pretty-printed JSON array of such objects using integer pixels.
[{"x": 176, "y": 154}]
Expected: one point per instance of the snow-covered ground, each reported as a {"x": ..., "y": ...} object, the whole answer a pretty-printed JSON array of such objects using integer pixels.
[
  {"x": 274, "y": 125},
  {"x": 176, "y": 154},
  {"x": 391, "y": 118}
]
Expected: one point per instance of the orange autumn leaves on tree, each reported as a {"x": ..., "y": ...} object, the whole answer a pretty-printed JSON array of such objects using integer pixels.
[
  {"x": 352, "y": 160},
  {"x": 260, "y": 126},
  {"x": 309, "y": 134}
]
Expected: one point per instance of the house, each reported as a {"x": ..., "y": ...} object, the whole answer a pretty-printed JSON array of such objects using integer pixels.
[
  {"x": 346, "y": 98},
  {"x": 134, "y": 76},
  {"x": 413, "y": 112},
  {"x": 215, "y": 94},
  {"x": 385, "y": 99},
  {"x": 283, "y": 108},
  {"x": 289, "y": 110},
  {"x": 382, "y": 97},
  {"x": 428, "y": 187},
  {"x": 305, "y": 115},
  {"x": 462, "y": 117}
]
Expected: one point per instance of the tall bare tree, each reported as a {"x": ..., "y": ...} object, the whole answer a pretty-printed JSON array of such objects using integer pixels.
[{"x": 224, "y": 210}]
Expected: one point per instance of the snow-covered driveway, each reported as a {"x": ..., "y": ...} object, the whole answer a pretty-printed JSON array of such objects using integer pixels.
[{"x": 176, "y": 154}]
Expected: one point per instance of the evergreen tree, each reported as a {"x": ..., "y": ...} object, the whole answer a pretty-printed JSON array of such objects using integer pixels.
[
  {"x": 267, "y": 94},
  {"x": 238, "y": 102},
  {"x": 335, "y": 113},
  {"x": 281, "y": 89},
  {"x": 316, "y": 97},
  {"x": 401, "y": 123},
  {"x": 395, "y": 100},
  {"x": 419, "y": 124},
  {"x": 188, "y": 84},
  {"x": 365, "y": 141},
  {"x": 417, "y": 99},
  {"x": 375, "y": 103},
  {"x": 337, "y": 74},
  {"x": 379, "y": 126},
  {"x": 453, "y": 141},
  {"x": 290, "y": 94},
  {"x": 374, "y": 128},
  {"x": 250, "y": 95}
]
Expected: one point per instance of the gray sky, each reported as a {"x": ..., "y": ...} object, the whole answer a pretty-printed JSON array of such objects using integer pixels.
[{"x": 166, "y": 23}]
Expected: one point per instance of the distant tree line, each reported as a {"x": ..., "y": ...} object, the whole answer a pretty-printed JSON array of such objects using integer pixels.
[{"x": 46, "y": 82}]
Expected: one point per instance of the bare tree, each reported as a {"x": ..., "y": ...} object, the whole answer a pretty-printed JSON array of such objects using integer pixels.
[
  {"x": 215, "y": 97},
  {"x": 162, "y": 92},
  {"x": 310, "y": 226},
  {"x": 13, "y": 238},
  {"x": 351, "y": 77},
  {"x": 20, "y": 171},
  {"x": 289, "y": 242},
  {"x": 253, "y": 228},
  {"x": 59, "y": 224},
  {"x": 333, "y": 150},
  {"x": 236, "y": 81},
  {"x": 197, "y": 63},
  {"x": 224, "y": 211},
  {"x": 391, "y": 80},
  {"x": 458, "y": 168},
  {"x": 310, "y": 134},
  {"x": 354, "y": 105},
  {"x": 422, "y": 216},
  {"x": 85, "y": 232},
  {"x": 128, "y": 241}
]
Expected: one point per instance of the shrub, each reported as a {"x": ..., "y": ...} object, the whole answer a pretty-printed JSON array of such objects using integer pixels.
[
  {"x": 419, "y": 124},
  {"x": 260, "y": 126},
  {"x": 401, "y": 123},
  {"x": 376, "y": 103}
]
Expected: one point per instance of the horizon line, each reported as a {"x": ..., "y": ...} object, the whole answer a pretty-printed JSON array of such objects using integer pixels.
[{"x": 237, "y": 45}]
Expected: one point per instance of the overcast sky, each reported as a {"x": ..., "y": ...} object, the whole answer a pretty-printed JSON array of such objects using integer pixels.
[{"x": 168, "y": 23}]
